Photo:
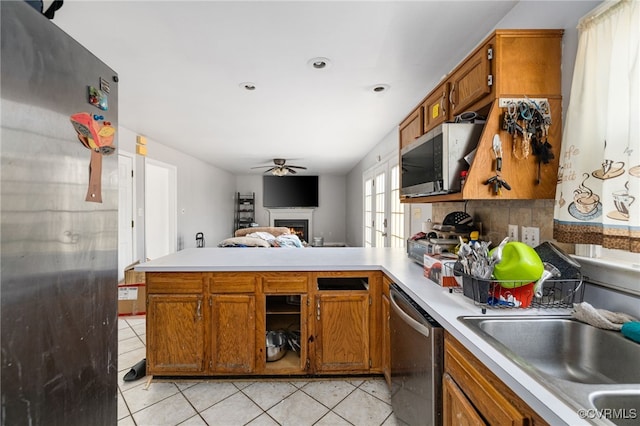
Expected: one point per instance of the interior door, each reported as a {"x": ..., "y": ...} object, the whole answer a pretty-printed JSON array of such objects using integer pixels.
[
  {"x": 125, "y": 213},
  {"x": 160, "y": 230}
]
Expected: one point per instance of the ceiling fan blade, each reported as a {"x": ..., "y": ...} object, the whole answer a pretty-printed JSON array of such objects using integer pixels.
[
  {"x": 293, "y": 172},
  {"x": 260, "y": 167},
  {"x": 298, "y": 167},
  {"x": 270, "y": 170}
]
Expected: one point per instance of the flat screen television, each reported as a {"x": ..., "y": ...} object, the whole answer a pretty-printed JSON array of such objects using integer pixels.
[{"x": 290, "y": 191}]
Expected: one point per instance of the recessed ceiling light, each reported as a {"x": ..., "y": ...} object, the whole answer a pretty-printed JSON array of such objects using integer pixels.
[
  {"x": 319, "y": 63},
  {"x": 379, "y": 88},
  {"x": 248, "y": 86}
]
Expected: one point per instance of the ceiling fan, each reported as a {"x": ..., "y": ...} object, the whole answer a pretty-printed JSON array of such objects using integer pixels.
[{"x": 280, "y": 168}]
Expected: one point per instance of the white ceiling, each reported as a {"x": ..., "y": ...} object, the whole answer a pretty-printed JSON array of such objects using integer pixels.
[{"x": 181, "y": 64}]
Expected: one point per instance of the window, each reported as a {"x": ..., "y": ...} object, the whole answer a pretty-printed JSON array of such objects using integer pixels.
[
  {"x": 368, "y": 211},
  {"x": 381, "y": 211},
  {"x": 397, "y": 210}
]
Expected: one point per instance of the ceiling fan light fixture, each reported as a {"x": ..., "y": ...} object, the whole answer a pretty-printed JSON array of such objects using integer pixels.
[
  {"x": 280, "y": 171},
  {"x": 319, "y": 63}
]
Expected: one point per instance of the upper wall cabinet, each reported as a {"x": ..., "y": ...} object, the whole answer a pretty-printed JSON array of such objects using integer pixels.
[
  {"x": 411, "y": 128},
  {"x": 435, "y": 107},
  {"x": 509, "y": 64},
  {"x": 472, "y": 81}
]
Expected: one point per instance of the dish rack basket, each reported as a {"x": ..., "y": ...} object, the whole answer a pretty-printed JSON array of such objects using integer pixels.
[{"x": 513, "y": 294}]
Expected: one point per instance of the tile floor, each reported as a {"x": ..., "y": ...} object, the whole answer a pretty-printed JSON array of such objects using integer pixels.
[{"x": 229, "y": 403}]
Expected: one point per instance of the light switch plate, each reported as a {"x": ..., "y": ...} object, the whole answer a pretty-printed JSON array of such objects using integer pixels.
[{"x": 513, "y": 233}]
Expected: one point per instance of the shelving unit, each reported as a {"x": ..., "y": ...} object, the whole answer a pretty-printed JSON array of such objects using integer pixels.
[{"x": 245, "y": 210}]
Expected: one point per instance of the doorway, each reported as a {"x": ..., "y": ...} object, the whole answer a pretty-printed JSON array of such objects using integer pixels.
[
  {"x": 160, "y": 236},
  {"x": 126, "y": 208},
  {"x": 384, "y": 224}
]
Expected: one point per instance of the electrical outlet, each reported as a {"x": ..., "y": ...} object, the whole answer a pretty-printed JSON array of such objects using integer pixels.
[
  {"x": 513, "y": 232},
  {"x": 531, "y": 236}
]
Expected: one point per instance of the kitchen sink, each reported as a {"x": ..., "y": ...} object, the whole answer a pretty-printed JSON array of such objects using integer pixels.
[
  {"x": 563, "y": 348},
  {"x": 587, "y": 367},
  {"x": 622, "y": 407}
]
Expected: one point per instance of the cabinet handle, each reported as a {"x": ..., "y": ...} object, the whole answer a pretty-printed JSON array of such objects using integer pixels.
[
  {"x": 318, "y": 311},
  {"x": 442, "y": 107},
  {"x": 453, "y": 104},
  {"x": 199, "y": 310}
]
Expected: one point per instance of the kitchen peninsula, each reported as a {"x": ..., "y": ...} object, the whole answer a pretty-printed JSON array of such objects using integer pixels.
[{"x": 198, "y": 297}]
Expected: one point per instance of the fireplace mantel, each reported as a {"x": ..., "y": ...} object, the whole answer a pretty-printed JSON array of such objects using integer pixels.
[{"x": 293, "y": 214}]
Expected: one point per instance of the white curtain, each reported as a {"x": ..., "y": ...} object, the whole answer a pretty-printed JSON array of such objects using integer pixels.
[{"x": 598, "y": 193}]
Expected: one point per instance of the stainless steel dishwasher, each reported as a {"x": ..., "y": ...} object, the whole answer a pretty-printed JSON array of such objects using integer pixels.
[{"x": 416, "y": 362}]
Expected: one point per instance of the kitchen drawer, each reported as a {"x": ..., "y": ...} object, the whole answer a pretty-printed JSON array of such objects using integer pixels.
[
  {"x": 279, "y": 283},
  {"x": 232, "y": 282},
  {"x": 174, "y": 282}
]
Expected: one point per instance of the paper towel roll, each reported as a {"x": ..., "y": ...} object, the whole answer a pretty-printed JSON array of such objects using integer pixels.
[{"x": 427, "y": 226}]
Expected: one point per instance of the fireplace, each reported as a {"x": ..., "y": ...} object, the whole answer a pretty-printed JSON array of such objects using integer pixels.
[
  {"x": 298, "y": 217},
  {"x": 299, "y": 227}
]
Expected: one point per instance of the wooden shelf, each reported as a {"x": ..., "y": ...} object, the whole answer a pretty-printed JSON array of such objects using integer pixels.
[
  {"x": 291, "y": 361},
  {"x": 456, "y": 196},
  {"x": 282, "y": 309}
]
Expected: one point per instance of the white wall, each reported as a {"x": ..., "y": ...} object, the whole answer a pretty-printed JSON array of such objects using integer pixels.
[
  {"x": 205, "y": 194},
  {"x": 329, "y": 219},
  {"x": 525, "y": 15}
]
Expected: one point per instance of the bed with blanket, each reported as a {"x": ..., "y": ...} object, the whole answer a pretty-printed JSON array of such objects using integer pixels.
[{"x": 263, "y": 236}]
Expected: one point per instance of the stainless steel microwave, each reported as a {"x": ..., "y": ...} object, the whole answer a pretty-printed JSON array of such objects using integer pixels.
[{"x": 432, "y": 163}]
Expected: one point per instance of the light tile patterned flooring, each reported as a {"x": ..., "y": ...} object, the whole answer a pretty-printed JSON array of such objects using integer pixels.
[{"x": 301, "y": 402}]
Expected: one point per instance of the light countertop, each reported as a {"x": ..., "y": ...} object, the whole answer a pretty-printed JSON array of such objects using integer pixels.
[{"x": 439, "y": 302}]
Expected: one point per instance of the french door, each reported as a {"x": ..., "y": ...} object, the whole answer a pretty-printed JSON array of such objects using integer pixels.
[{"x": 384, "y": 224}]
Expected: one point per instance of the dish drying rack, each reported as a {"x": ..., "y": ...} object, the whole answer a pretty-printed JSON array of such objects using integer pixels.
[{"x": 490, "y": 294}]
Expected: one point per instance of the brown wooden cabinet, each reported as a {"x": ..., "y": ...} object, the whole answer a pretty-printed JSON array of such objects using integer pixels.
[
  {"x": 232, "y": 325},
  {"x": 214, "y": 323},
  {"x": 411, "y": 127},
  {"x": 457, "y": 409},
  {"x": 471, "y": 81},
  {"x": 436, "y": 107},
  {"x": 345, "y": 322},
  {"x": 285, "y": 308},
  {"x": 233, "y": 333},
  {"x": 176, "y": 318},
  {"x": 342, "y": 331},
  {"x": 507, "y": 64},
  {"x": 474, "y": 395}
]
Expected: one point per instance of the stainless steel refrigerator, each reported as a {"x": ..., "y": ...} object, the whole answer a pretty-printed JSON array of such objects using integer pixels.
[{"x": 59, "y": 230}]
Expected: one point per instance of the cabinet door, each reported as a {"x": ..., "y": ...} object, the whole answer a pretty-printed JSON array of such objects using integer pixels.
[
  {"x": 470, "y": 83},
  {"x": 492, "y": 399},
  {"x": 411, "y": 128},
  {"x": 233, "y": 333},
  {"x": 342, "y": 332},
  {"x": 457, "y": 409},
  {"x": 175, "y": 340},
  {"x": 436, "y": 107}
]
